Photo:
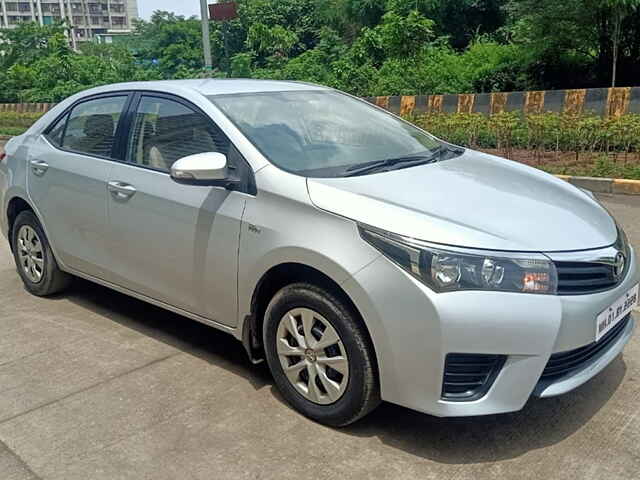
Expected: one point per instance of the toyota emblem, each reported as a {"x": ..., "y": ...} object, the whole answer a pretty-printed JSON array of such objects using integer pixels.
[{"x": 618, "y": 266}]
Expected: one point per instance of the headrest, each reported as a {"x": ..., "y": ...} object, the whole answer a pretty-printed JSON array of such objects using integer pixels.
[
  {"x": 99, "y": 126},
  {"x": 168, "y": 125}
]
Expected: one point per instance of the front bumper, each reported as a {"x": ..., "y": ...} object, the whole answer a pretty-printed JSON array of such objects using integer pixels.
[
  {"x": 587, "y": 370},
  {"x": 413, "y": 329}
]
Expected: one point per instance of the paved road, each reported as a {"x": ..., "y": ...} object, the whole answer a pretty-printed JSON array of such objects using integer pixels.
[{"x": 95, "y": 385}]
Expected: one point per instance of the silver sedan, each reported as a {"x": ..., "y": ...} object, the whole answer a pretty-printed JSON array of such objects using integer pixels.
[{"x": 361, "y": 257}]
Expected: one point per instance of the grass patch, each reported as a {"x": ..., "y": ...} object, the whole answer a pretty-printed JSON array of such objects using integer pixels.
[
  {"x": 14, "y": 119},
  {"x": 12, "y": 131}
]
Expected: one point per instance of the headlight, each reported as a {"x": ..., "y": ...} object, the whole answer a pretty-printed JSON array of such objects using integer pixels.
[{"x": 446, "y": 270}]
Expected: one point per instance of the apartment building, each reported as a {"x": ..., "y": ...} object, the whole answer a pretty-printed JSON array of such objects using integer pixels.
[{"x": 87, "y": 18}]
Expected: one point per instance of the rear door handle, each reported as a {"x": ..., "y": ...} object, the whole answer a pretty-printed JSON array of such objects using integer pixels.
[
  {"x": 121, "y": 190},
  {"x": 39, "y": 167}
]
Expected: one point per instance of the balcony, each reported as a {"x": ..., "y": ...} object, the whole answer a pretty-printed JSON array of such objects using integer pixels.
[
  {"x": 15, "y": 19},
  {"x": 53, "y": 9}
]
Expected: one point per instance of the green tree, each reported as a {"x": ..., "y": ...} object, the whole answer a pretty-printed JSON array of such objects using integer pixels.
[
  {"x": 396, "y": 35},
  {"x": 29, "y": 41},
  {"x": 362, "y": 46},
  {"x": 347, "y": 17},
  {"x": 169, "y": 42},
  {"x": 39, "y": 66},
  {"x": 620, "y": 9},
  {"x": 241, "y": 65},
  {"x": 296, "y": 16},
  {"x": 579, "y": 42},
  {"x": 270, "y": 41}
]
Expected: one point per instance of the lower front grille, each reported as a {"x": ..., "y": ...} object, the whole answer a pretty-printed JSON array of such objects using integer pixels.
[
  {"x": 565, "y": 362},
  {"x": 469, "y": 376}
]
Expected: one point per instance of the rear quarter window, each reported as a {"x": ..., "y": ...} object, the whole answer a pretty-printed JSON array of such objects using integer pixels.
[{"x": 56, "y": 131}]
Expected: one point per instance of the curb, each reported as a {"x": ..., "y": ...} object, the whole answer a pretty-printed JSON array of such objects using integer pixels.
[{"x": 604, "y": 185}]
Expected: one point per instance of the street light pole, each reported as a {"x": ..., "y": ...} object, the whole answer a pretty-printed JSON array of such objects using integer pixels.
[{"x": 206, "y": 44}]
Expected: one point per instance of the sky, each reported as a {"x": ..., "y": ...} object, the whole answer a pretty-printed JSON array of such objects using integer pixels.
[{"x": 180, "y": 7}]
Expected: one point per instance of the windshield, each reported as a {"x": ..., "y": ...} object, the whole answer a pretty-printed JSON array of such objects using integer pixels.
[{"x": 321, "y": 133}]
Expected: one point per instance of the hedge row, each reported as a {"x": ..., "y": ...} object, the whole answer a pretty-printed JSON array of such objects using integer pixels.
[
  {"x": 13, "y": 123},
  {"x": 582, "y": 133}
]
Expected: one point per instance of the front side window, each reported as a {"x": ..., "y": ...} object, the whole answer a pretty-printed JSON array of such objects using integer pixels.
[
  {"x": 91, "y": 127},
  {"x": 165, "y": 131},
  {"x": 322, "y": 133}
]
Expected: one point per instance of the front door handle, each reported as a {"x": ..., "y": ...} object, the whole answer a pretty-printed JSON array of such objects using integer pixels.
[
  {"x": 121, "y": 190},
  {"x": 39, "y": 167}
]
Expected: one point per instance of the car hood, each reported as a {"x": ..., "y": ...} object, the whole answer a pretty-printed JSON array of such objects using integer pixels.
[{"x": 475, "y": 200}]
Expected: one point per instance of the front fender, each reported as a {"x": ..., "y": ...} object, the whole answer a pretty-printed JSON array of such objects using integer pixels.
[{"x": 281, "y": 225}]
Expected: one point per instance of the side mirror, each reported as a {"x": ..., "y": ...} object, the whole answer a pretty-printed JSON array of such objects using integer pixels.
[{"x": 207, "y": 169}]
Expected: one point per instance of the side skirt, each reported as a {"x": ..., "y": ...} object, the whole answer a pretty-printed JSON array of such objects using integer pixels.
[{"x": 157, "y": 303}]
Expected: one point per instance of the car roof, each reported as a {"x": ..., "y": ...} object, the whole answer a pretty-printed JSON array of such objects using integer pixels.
[
  {"x": 193, "y": 90},
  {"x": 212, "y": 86}
]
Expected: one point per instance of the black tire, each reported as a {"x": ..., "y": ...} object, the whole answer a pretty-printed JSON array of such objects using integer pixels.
[
  {"x": 362, "y": 393},
  {"x": 53, "y": 279}
]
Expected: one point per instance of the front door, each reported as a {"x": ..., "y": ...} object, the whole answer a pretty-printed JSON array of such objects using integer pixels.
[
  {"x": 174, "y": 243},
  {"x": 68, "y": 171}
]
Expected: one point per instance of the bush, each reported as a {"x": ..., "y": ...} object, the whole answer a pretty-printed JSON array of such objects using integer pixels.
[
  {"x": 12, "y": 131},
  {"x": 539, "y": 132},
  {"x": 559, "y": 143},
  {"x": 495, "y": 67}
]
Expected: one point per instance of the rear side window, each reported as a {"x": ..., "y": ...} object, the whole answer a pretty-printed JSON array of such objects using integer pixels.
[
  {"x": 91, "y": 126},
  {"x": 165, "y": 131}
]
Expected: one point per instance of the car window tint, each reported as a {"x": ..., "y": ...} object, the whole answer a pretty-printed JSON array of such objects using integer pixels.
[
  {"x": 56, "y": 131},
  {"x": 92, "y": 126},
  {"x": 165, "y": 131}
]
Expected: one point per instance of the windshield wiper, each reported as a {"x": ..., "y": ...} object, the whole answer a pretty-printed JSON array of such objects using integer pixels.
[{"x": 406, "y": 161}]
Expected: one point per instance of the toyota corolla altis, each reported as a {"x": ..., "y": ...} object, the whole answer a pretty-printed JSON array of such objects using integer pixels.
[{"x": 363, "y": 258}]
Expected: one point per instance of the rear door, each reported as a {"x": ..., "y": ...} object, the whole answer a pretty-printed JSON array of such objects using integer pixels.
[
  {"x": 175, "y": 243},
  {"x": 68, "y": 171}
]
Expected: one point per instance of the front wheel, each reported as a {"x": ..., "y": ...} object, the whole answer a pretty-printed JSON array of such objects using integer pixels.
[{"x": 320, "y": 356}]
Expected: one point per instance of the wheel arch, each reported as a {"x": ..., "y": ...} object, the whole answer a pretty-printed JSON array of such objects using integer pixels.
[
  {"x": 15, "y": 206},
  {"x": 274, "y": 279},
  {"x": 20, "y": 202}
]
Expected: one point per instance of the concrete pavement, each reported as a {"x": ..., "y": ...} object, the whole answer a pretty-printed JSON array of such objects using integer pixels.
[{"x": 96, "y": 385}]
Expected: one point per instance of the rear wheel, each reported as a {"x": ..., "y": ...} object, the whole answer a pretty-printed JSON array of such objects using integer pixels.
[
  {"x": 320, "y": 355},
  {"x": 34, "y": 259}
]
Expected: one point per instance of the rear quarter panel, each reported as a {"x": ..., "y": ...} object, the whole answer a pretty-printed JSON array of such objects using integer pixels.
[{"x": 13, "y": 176}]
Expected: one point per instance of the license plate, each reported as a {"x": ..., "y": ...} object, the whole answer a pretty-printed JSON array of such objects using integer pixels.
[{"x": 616, "y": 312}]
